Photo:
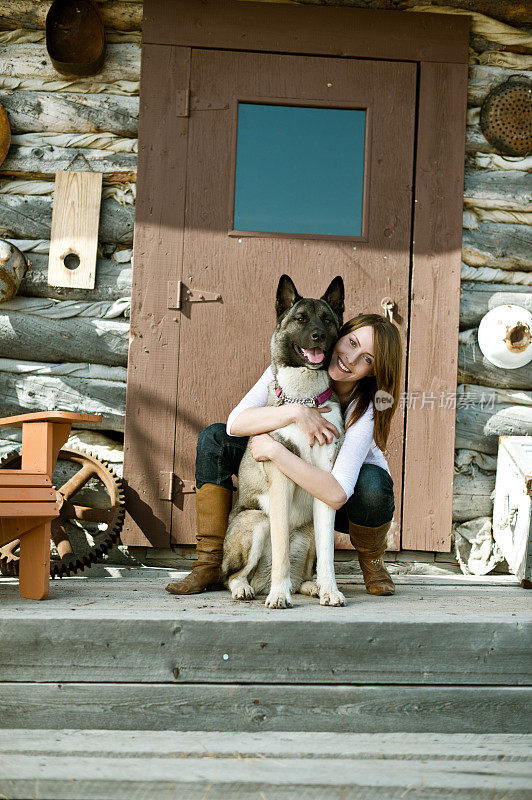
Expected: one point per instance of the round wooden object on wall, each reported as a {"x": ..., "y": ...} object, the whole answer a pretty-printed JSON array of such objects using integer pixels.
[
  {"x": 5, "y": 134},
  {"x": 506, "y": 116},
  {"x": 13, "y": 267},
  {"x": 75, "y": 37}
]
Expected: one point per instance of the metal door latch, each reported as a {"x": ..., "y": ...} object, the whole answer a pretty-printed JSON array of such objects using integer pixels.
[
  {"x": 170, "y": 484},
  {"x": 388, "y": 305},
  {"x": 178, "y": 294}
]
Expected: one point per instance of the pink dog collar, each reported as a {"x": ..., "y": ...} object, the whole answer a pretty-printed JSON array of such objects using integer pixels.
[{"x": 309, "y": 401}]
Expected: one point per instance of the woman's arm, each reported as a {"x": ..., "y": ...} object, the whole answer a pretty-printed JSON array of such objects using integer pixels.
[
  {"x": 255, "y": 420},
  {"x": 317, "y": 482}
]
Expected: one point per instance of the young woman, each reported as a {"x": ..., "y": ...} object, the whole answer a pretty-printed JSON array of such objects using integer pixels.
[{"x": 366, "y": 359}]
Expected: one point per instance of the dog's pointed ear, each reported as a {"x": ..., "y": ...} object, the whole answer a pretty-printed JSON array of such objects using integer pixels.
[
  {"x": 334, "y": 296},
  {"x": 287, "y": 295}
]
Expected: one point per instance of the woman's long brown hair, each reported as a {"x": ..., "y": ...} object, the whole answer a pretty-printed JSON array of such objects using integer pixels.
[{"x": 388, "y": 356}]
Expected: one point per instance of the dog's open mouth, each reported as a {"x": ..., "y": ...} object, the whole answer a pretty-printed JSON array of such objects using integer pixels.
[{"x": 314, "y": 356}]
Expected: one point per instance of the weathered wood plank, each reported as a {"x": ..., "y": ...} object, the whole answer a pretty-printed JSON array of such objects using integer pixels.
[
  {"x": 476, "y": 299},
  {"x": 75, "y": 223},
  {"x": 122, "y": 63},
  {"x": 102, "y": 778},
  {"x": 38, "y": 161},
  {"x": 185, "y": 650},
  {"x": 36, "y": 338},
  {"x": 497, "y": 244},
  {"x": 154, "y": 347},
  {"x": 70, "y": 113},
  {"x": 331, "y": 31},
  {"x": 510, "y": 189},
  {"x": 226, "y": 707},
  {"x": 471, "y": 495},
  {"x": 112, "y": 281},
  {"x": 31, "y": 14},
  {"x": 30, "y": 217},
  {"x": 290, "y": 744},
  {"x": 474, "y": 368},
  {"x": 434, "y": 319},
  {"x": 20, "y": 394}
]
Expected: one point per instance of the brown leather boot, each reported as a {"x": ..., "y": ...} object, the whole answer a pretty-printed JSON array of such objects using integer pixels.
[
  {"x": 213, "y": 504},
  {"x": 370, "y": 544}
]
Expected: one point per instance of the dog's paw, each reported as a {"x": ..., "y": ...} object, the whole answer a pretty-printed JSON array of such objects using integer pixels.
[
  {"x": 278, "y": 599},
  {"x": 331, "y": 597},
  {"x": 243, "y": 592},
  {"x": 310, "y": 588}
]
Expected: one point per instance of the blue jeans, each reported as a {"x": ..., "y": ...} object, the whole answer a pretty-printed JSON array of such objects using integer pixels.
[{"x": 371, "y": 504}]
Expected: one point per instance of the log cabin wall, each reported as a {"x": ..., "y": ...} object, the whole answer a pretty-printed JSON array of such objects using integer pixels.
[{"x": 67, "y": 348}]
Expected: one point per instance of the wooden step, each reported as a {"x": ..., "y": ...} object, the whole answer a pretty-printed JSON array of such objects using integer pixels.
[
  {"x": 441, "y": 655},
  {"x": 111, "y": 765}
]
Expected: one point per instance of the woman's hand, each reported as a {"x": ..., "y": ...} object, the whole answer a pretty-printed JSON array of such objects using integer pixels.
[
  {"x": 314, "y": 426},
  {"x": 262, "y": 447}
]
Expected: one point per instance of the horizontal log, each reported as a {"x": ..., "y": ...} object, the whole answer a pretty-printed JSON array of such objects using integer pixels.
[
  {"x": 479, "y": 425},
  {"x": 70, "y": 113},
  {"x": 496, "y": 244},
  {"x": 504, "y": 189},
  {"x": 30, "y": 217},
  {"x": 507, "y": 11},
  {"x": 474, "y": 368},
  {"x": 472, "y": 495},
  {"x": 474, "y": 394},
  {"x": 32, "y": 14},
  {"x": 20, "y": 394},
  {"x": 476, "y": 142},
  {"x": 112, "y": 281},
  {"x": 65, "y": 369},
  {"x": 67, "y": 309},
  {"x": 122, "y": 63},
  {"x": 476, "y": 299},
  {"x": 46, "y": 161},
  {"x": 36, "y": 338},
  {"x": 482, "y": 79},
  {"x": 339, "y": 709}
]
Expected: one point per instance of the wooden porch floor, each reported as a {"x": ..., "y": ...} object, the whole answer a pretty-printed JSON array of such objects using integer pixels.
[{"x": 428, "y": 690}]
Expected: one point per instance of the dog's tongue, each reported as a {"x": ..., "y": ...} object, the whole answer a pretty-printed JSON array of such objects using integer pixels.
[{"x": 313, "y": 354}]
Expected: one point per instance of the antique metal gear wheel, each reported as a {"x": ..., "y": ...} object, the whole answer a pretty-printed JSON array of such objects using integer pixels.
[{"x": 91, "y": 501}]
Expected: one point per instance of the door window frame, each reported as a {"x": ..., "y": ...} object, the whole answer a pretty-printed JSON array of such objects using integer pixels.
[
  {"x": 439, "y": 46},
  {"x": 303, "y": 103}
]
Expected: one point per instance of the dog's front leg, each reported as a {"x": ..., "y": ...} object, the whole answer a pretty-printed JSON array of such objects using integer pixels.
[
  {"x": 281, "y": 493},
  {"x": 324, "y": 533}
]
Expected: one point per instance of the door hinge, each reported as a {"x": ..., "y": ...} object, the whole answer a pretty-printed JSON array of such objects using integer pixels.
[
  {"x": 171, "y": 484},
  {"x": 183, "y": 102},
  {"x": 178, "y": 294}
]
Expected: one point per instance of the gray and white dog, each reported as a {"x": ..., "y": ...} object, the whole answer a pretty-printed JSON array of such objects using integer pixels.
[{"x": 277, "y": 529}]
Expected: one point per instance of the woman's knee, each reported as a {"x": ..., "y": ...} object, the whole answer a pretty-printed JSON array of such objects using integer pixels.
[
  {"x": 372, "y": 503},
  {"x": 212, "y": 438}
]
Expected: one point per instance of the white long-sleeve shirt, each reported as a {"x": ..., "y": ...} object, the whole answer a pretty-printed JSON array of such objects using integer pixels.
[{"x": 357, "y": 448}]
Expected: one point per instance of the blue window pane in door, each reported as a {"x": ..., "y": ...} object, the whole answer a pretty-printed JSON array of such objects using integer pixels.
[{"x": 299, "y": 169}]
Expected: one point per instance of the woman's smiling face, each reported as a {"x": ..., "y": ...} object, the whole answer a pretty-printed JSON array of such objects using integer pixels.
[{"x": 353, "y": 356}]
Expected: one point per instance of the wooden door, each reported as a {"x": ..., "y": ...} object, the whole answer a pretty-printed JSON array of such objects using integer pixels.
[{"x": 224, "y": 345}]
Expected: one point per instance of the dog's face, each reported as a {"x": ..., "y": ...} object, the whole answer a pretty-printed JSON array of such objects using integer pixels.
[{"x": 306, "y": 328}]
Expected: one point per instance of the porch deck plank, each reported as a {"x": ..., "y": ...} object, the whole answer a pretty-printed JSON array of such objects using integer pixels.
[
  {"x": 275, "y": 707},
  {"x": 130, "y": 630},
  {"x": 75, "y": 778},
  {"x": 289, "y": 744}
]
